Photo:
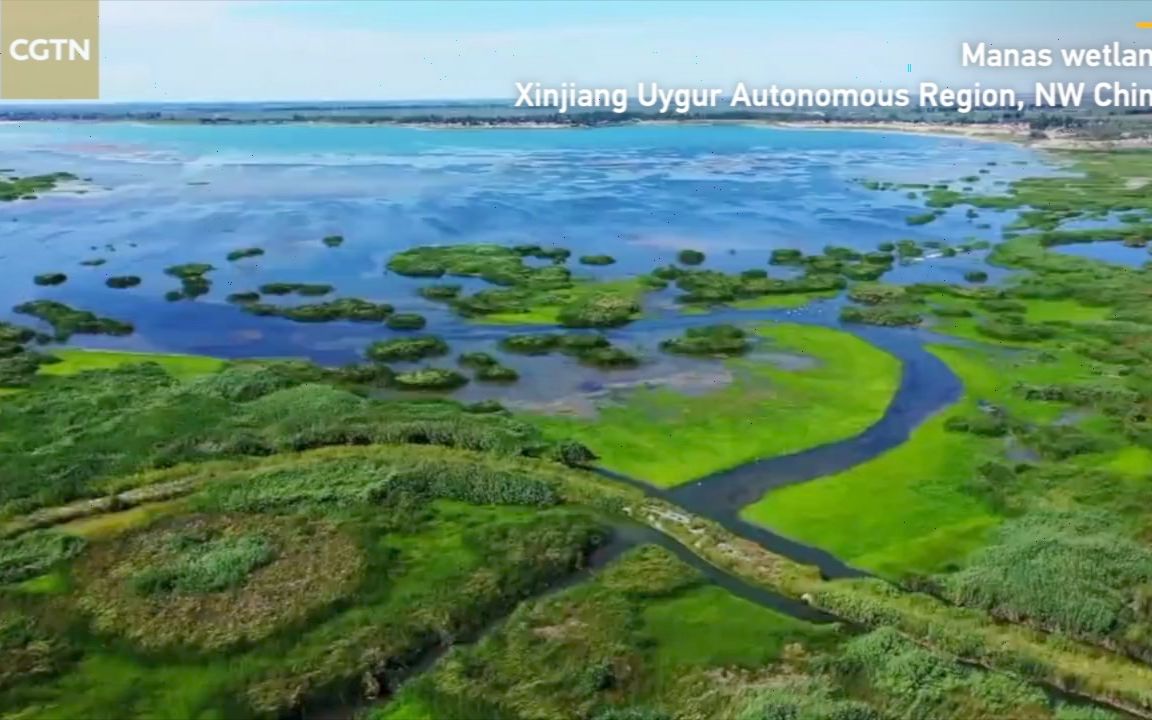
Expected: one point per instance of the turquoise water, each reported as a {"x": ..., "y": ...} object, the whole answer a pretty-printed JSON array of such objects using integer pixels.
[{"x": 165, "y": 194}]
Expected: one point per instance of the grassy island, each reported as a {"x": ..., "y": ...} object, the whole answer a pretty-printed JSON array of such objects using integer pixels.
[
  {"x": 193, "y": 278},
  {"x": 50, "y": 279},
  {"x": 347, "y": 309},
  {"x": 714, "y": 340},
  {"x": 415, "y": 347},
  {"x": 305, "y": 289},
  {"x": 122, "y": 282},
  {"x": 406, "y": 321},
  {"x": 525, "y": 293},
  {"x": 597, "y": 260},
  {"x": 243, "y": 253}
]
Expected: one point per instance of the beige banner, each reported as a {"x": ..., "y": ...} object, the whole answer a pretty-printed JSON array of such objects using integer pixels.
[{"x": 50, "y": 49}]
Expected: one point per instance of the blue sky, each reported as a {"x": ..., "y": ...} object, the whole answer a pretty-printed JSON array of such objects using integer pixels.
[{"x": 373, "y": 49}]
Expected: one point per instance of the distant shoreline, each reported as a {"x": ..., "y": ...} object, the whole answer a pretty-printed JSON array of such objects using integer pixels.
[{"x": 1019, "y": 133}]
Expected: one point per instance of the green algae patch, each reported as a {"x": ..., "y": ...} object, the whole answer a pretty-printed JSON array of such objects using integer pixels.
[
  {"x": 74, "y": 361},
  {"x": 666, "y": 437},
  {"x": 67, "y": 321}
]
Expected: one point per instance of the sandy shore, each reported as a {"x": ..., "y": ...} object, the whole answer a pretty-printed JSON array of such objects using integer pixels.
[
  {"x": 1014, "y": 133},
  {"x": 1019, "y": 132}
]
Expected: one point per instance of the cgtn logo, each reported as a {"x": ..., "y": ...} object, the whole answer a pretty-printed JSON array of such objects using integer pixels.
[{"x": 50, "y": 50}]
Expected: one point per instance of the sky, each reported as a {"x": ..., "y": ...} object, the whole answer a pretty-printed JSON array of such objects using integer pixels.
[{"x": 235, "y": 50}]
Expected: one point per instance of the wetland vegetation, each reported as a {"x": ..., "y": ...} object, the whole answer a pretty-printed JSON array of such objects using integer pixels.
[{"x": 185, "y": 536}]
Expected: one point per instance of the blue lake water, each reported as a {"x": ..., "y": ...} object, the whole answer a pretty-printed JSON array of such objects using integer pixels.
[{"x": 161, "y": 194}]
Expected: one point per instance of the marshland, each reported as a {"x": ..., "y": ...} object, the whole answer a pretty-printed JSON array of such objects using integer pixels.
[{"x": 635, "y": 422}]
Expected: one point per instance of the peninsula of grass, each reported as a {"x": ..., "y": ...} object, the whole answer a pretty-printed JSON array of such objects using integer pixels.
[
  {"x": 67, "y": 321},
  {"x": 48, "y": 279},
  {"x": 406, "y": 321},
  {"x": 333, "y": 240},
  {"x": 912, "y": 510},
  {"x": 182, "y": 367},
  {"x": 416, "y": 347},
  {"x": 304, "y": 289},
  {"x": 667, "y": 437},
  {"x": 345, "y": 309},
  {"x": 243, "y": 253},
  {"x": 122, "y": 282}
]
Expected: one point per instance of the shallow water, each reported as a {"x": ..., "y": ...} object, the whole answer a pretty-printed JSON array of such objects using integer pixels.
[{"x": 165, "y": 194}]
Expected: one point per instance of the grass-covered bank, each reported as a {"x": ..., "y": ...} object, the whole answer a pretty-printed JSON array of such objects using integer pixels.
[
  {"x": 76, "y": 360},
  {"x": 841, "y": 386},
  {"x": 291, "y": 579}
]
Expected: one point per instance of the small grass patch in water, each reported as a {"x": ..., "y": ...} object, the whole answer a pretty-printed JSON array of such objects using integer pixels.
[
  {"x": 304, "y": 289},
  {"x": 48, "y": 279},
  {"x": 416, "y": 347},
  {"x": 406, "y": 321},
  {"x": 122, "y": 282},
  {"x": 245, "y": 253},
  {"x": 347, "y": 309}
]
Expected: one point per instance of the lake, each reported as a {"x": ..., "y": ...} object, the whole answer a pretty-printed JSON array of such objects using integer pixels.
[{"x": 162, "y": 194}]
